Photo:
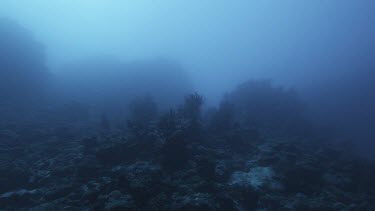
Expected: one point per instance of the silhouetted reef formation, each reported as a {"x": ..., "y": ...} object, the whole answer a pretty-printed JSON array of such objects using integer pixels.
[{"x": 183, "y": 159}]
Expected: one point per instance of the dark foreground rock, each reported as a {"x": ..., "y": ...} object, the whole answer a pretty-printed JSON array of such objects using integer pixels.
[{"x": 273, "y": 175}]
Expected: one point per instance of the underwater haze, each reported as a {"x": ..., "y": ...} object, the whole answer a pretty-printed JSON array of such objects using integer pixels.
[{"x": 187, "y": 105}]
